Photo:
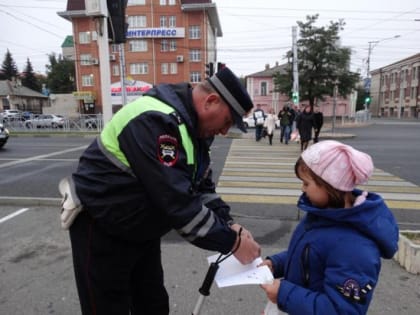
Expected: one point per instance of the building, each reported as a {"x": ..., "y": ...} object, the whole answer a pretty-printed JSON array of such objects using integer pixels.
[
  {"x": 16, "y": 96},
  {"x": 168, "y": 41},
  {"x": 395, "y": 89},
  {"x": 260, "y": 86}
]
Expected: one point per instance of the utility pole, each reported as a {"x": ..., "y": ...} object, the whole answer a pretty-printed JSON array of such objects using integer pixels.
[
  {"x": 122, "y": 75},
  {"x": 368, "y": 79},
  {"x": 98, "y": 10},
  {"x": 295, "y": 92}
]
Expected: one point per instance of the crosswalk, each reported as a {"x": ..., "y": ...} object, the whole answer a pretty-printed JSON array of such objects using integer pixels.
[{"x": 255, "y": 172}]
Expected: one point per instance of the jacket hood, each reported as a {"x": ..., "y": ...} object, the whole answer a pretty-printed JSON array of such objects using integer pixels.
[{"x": 372, "y": 218}]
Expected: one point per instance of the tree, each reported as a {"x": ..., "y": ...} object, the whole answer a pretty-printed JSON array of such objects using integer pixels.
[
  {"x": 322, "y": 63},
  {"x": 9, "y": 70},
  {"x": 60, "y": 74},
  {"x": 29, "y": 79}
]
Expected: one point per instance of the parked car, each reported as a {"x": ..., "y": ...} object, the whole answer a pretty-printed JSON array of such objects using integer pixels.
[
  {"x": 249, "y": 122},
  {"x": 92, "y": 121},
  {"x": 10, "y": 114},
  {"x": 4, "y": 135},
  {"x": 45, "y": 121}
]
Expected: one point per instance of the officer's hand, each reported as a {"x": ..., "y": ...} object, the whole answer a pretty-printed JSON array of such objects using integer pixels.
[{"x": 248, "y": 249}]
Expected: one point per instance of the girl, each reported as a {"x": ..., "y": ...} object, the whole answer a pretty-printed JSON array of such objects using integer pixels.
[{"x": 333, "y": 260}]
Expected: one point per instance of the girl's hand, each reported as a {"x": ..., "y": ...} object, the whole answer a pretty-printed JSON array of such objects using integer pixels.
[
  {"x": 272, "y": 290},
  {"x": 268, "y": 263}
]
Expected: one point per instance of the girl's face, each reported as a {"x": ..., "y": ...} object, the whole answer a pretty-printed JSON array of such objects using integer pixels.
[{"x": 317, "y": 194}]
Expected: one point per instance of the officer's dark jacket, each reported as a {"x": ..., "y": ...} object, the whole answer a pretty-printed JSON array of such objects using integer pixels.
[{"x": 155, "y": 190}]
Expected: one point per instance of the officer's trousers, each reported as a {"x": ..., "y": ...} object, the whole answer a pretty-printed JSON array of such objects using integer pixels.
[{"x": 116, "y": 277}]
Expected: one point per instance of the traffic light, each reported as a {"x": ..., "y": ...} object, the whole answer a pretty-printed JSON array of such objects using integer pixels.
[
  {"x": 116, "y": 20},
  {"x": 220, "y": 66},
  {"x": 295, "y": 97},
  {"x": 368, "y": 99},
  {"x": 209, "y": 69}
]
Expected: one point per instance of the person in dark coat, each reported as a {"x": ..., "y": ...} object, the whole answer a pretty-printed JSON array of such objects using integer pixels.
[
  {"x": 146, "y": 174},
  {"x": 305, "y": 123},
  {"x": 318, "y": 122}
]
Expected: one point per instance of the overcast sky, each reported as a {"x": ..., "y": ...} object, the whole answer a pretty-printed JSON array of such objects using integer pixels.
[{"x": 255, "y": 33}]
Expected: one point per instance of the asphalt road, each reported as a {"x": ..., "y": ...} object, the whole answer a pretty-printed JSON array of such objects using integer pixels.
[{"x": 35, "y": 258}]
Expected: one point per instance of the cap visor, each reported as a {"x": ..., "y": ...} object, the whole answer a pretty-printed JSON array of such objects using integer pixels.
[{"x": 238, "y": 121}]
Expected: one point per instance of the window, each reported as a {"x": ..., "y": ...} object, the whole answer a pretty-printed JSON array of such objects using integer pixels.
[
  {"x": 162, "y": 2},
  {"x": 164, "y": 45},
  {"x": 87, "y": 80},
  {"x": 137, "y": 45},
  {"x": 172, "y": 45},
  {"x": 195, "y": 77},
  {"x": 164, "y": 68},
  {"x": 139, "y": 68},
  {"x": 172, "y": 21},
  {"x": 172, "y": 2},
  {"x": 85, "y": 59},
  {"x": 195, "y": 55},
  {"x": 174, "y": 68},
  {"x": 84, "y": 37},
  {"x": 115, "y": 48},
  {"x": 194, "y": 32},
  {"x": 136, "y": 21},
  {"x": 263, "y": 88},
  {"x": 115, "y": 70},
  {"x": 162, "y": 20},
  {"x": 136, "y": 2}
]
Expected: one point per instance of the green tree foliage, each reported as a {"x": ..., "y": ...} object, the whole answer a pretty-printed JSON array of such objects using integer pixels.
[
  {"x": 60, "y": 74},
  {"x": 9, "y": 70},
  {"x": 322, "y": 63},
  {"x": 29, "y": 79}
]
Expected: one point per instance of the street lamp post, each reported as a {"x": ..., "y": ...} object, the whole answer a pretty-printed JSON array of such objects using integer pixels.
[{"x": 372, "y": 44}]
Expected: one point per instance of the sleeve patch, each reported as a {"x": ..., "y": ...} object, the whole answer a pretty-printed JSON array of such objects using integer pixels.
[
  {"x": 352, "y": 290},
  {"x": 168, "y": 150}
]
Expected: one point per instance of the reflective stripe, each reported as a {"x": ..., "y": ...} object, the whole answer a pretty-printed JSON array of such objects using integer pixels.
[
  {"x": 206, "y": 198},
  {"x": 187, "y": 229},
  {"x": 109, "y": 136}
]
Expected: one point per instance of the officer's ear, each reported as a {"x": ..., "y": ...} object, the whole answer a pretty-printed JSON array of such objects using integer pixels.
[{"x": 211, "y": 99}]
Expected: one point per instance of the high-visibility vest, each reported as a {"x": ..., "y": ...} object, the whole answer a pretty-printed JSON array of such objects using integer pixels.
[{"x": 109, "y": 135}]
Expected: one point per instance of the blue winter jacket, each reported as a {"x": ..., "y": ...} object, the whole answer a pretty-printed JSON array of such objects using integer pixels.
[{"x": 333, "y": 260}]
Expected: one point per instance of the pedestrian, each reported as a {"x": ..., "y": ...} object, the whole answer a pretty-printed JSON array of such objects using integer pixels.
[
  {"x": 305, "y": 123},
  {"x": 259, "y": 117},
  {"x": 146, "y": 174},
  {"x": 285, "y": 117},
  {"x": 333, "y": 260},
  {"x": 318, "y": 122},
  {"x": 270, "y": 125}
]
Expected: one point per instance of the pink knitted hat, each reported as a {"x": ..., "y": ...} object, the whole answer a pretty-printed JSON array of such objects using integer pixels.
[{"x": 340, "y": 165}]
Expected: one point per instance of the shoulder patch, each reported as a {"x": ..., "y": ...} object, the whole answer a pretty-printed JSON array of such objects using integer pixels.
[{"x": 168, "y": 150}]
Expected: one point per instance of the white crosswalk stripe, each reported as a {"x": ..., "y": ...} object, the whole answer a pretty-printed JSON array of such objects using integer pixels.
[{"x": 255, "y": 172}]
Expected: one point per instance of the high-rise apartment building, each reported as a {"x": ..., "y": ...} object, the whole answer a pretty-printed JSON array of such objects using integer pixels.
[{"x": 168, "y": 41}]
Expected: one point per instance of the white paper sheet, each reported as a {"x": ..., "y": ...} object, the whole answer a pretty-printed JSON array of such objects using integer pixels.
[{"x": 232, "y": 272}]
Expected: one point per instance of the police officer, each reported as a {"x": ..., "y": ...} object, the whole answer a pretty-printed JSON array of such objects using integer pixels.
[{"x": 146, "y": 174}]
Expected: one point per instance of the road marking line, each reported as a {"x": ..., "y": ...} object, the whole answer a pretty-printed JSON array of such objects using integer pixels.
[
  {"x": 259, "y": 178},
  {"x": 12, "y": 215},
  {"x": 39, "y": 157}
]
